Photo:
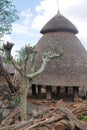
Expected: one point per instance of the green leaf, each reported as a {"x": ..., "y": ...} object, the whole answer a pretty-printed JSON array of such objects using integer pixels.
[
  {"x": 8, "y": 15},
  {"x": 16, "y": 99}
]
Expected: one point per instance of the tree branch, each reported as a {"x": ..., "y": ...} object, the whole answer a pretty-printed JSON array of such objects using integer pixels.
[
  {"x": 17, "y": 67},
  {"x": 33, "y": 75},
  {"x": 30, "y": 55},
  {"x": 7, "y": 49},
  {"x": 45, "y": 59}
]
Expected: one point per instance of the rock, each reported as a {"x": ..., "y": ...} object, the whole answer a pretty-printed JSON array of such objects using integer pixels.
[
  {"x": 35, "y": 113},
  {"x": 12, "y": 106},
  {"x": 40, "y": 113},
  {"x": 6, "y": 112}
]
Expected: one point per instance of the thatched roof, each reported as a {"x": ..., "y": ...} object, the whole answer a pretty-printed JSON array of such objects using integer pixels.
[
  {"x": 59, "y": 23},
  {"x": 71, "y": 68}
]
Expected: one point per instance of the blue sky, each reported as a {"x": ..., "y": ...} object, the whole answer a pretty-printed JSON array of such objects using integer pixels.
[{"x": 35, "y": 13}]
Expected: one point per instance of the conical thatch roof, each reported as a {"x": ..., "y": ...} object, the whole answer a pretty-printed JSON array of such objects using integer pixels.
[
  {"x": 59, "y": 23},
  {"x": 69, "y": 69}
]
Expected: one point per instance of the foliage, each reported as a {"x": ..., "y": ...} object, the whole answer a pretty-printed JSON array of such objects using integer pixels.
[
  {"x": 16, "y": 99},
  {"x": 20, "y": 55},
  {"x": 8, "y": 15},
  {"x": 82, "y": 117}
]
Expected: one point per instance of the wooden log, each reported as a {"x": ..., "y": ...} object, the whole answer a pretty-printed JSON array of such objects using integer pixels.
[
  {"x": 9, "y": 119},
  {"x": 29, "y": 122},
  {"x": 8, "y": 127},
  {"x": 72, "y": 117},
  {"x": 24, "y": 124},
  {"x": 46, "y": 121}
]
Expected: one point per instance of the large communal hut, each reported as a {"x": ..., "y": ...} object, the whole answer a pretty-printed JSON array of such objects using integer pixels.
[{"x": 69, "y": 70}]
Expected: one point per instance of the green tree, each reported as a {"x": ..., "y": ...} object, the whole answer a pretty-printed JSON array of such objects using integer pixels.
[
  {"x": 20, "y": 55},
  {"x": 8, "y": 15}
]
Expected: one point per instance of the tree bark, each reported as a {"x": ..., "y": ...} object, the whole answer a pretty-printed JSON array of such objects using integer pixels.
[{"x": 23, "y": 98}]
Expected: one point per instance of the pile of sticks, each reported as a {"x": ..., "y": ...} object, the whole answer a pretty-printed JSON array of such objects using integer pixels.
[{"x": 60, "y": 117}]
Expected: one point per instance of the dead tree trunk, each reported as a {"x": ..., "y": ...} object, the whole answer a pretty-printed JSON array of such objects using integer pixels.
[
  {"x": 26, "y": 78},
  {"x": 23, "y": 98}
]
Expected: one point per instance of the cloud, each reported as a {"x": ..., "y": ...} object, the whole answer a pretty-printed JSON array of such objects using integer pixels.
[
  {"x": 20, "y": 29},
  {"x": 46, "y": 12},
  {"x": 74, "y": 10},
  {"x": 6, "y": 38},
  {"x": 30, "y": 23},
  {"x": 27, "y": 16},
  {"x": 24, "y": 25}
]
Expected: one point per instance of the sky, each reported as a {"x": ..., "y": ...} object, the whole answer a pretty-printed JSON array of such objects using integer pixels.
[{"x": 34, "y": 14}]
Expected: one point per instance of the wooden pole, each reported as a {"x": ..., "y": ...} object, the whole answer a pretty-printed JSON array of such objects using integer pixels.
[
  {"x": 58, "y": 91},
  {"x": 39, "y": 90},
  {"x": 66, "y": 90},
  {"x": 75, "y": 94},
  {"x": 33, "y": 90},
  {"x": 48, "y": 92}
]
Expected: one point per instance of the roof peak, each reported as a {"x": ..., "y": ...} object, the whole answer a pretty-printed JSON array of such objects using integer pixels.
[
  {"x": 59, "y": 12},
  {"x": 59, "y": 23}
]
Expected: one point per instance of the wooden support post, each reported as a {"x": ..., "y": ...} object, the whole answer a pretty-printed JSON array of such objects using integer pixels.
[
  {"x": 33, "y": 90},
  {"x": 66, "y": 90},
  {"x": 39, "y": 90},
  {"x": 75, "y": 94},
  {"x": 48, "y": 92},
  {"x": 58, "y": 91}
]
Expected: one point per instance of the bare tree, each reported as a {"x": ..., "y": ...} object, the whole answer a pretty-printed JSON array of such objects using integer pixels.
[{"x": 26, "y": 78}]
